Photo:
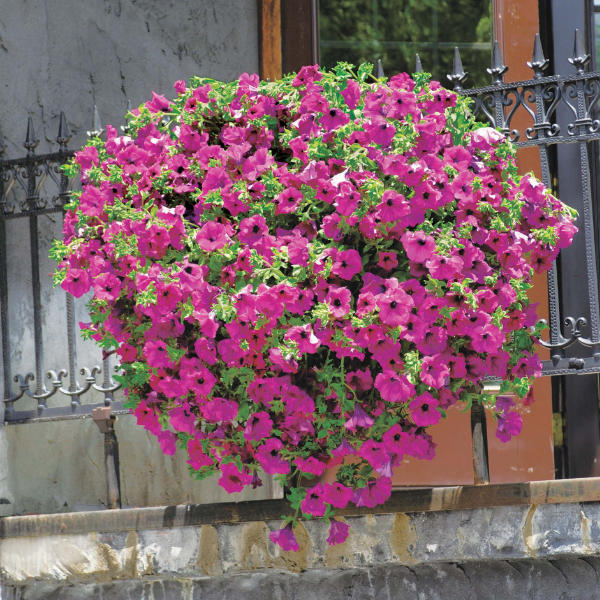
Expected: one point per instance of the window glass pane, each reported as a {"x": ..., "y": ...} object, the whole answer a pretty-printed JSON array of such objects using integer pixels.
[{"x": 358, "y": 31}]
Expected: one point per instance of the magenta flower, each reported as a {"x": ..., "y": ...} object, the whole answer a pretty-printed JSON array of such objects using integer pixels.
[
  {"x": 287, "y": 201},
  {"x": 158, "y": 104},
  {"x": 394, "y": 387},
  {"x": 198, "y": 458},
  {"x": 333, "y": 119},
  {"x": 423, "y": 410},
  {"x": 157, "y": 355},
  {"x": 285, "y": 538},
  {"x": 183, "y": 419},
  {"x": 380, "y": 131},
  {"x": 258, "y": 426},
  {"x": 351, "y": 94},
  {"x": 298, "y": 251},
  {"x": 310, "y": 465},
  {"x": 338, "y": 532},
  {"x": 77, "y": 282},
  {"x": 336, "y": 494},
  {"x": 313, "y": 503},
  {"x": 359, "y": 418},
  {"x": 252, "y": 229},
  {"x": 388, "y": 260},
  {"x": 344, "y": 449},
  {"x": 305, "y": 338},
  {"x": 395, "y": 440},
  {"x": 434, "y": 372},
  {"x": 486, "y": 339},
  {"x": 376, "y": 492},
  {"x": 393, "y": 206},
  {"x": 360, "y": 380},
  {"x": 212, "y": 236},
  {"x": 147, "y": 418},
  {"x": 270, "y": 459},
  {"x": 444, "y": 267},
  {"x": 418, "y": 246},
  {"x": 509, "y": 425},
  {"x": 232, "y": 480},
  {"x": 167, "y": 441},
  {"x": 220, "y": 410},
  {"x": 347, "y": 264},
  {"x": 338, "y": 301},
  {"x": 87, "y": 158},
  {"x": 395, "y": 307}
]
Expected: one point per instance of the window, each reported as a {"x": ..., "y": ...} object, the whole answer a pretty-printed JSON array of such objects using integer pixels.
[{"x": 359, "y": 31}]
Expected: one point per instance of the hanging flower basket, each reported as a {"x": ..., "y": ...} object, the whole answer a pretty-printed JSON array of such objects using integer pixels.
[{"x": 305, "y": 274}]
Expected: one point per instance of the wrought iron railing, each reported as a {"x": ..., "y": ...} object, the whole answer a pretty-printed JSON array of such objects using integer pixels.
[
  {"x": 561, "y": 110},
  {"x": 25, "y": 194}
]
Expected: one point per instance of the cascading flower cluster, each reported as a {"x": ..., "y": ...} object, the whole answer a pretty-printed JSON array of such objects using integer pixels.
[{"x": 305, "y": 274}]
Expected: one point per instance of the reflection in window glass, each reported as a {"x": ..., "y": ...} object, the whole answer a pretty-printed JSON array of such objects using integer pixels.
[{"x": 359, "y": 31}]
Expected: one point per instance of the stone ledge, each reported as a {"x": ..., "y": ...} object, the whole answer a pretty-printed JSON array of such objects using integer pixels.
[
  {"x": 549, "y": 531},
  {"x": 401, "y": 501}
]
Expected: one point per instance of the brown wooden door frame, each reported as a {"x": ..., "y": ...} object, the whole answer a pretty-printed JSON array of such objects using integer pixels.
[{"x": 288, "y": 36}]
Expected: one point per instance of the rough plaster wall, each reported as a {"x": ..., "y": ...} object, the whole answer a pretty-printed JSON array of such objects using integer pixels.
[{"x": 69, "y": 55}]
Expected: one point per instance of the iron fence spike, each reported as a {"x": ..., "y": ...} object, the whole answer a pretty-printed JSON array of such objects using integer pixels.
[
  {"x": 63, "y": 130},
  {"x": 498, "y": 67},
  {"x": 538, "y": 61},
  {"x": 96, "y": 130},
  {"x": 580, "y": 56},
  {"x": 418, "y": 66},
  {"x": 458, "y": 73},
  {"x": 125, "y": 128},
  {"x": 30, "y": 140},
  {"x": 380, "y": 72}
]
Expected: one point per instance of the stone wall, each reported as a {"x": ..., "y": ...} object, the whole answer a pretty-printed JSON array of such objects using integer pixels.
[
  {"x": 547, "y": 552},
  {"x": 70, "y": 55}
]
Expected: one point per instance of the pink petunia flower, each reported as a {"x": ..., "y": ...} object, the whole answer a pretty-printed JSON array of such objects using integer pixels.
[
  {"x": 394, "y": 387},
  {"x": 393, "y": 206},
  {"x": 338, "y": 301},
  {"x": 212, "y": 236},
  {"x": 258, "y": 426},
  {"x": 310, "y": 465},
  {"x": 423, "y": 410},
  {"x": 305, "y": 338},
  {"x": 395, "y": 307},
  {"x": 270, "y": 459},
  {"x": 77, "y": 282},
  {"x": 387, "y": 260},
  {"x": 336, "y": 494},
  {"x": 252, "y": 229},
  {"x": 338, "y": 532},
  {"x": 359, "y": 418},
  {"x": 313, "y": 503},
  {"x": 418, "y": 246},
  {"x": 376, "y": 492},
  {"x": 285, "y": 538},
  {"x": 347, "y": 264},
  {"x": 232, "y": 480}
]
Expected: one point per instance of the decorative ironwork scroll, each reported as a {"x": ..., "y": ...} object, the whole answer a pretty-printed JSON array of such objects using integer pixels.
[{"x": 28, "y": 175}]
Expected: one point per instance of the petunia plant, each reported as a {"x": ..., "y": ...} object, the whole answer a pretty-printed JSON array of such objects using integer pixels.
[{"x": 304, "y": 274}]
